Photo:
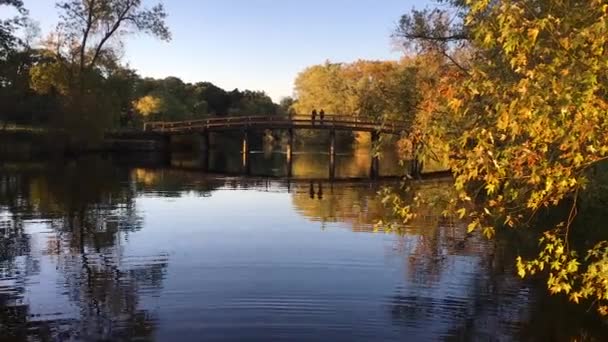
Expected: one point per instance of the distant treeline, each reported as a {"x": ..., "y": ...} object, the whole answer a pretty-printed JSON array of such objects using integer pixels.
[
  {"x": 72, "y": 80},
  {"x": 30, "y": 97}
]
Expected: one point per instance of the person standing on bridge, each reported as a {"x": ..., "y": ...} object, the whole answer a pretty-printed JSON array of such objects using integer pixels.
[
  {"x": 321, "y": 116},
  {"x": 314, "y": 116}
]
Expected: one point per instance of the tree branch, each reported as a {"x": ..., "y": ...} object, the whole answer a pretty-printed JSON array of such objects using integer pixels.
[
  {"x": 111, "y": 32},
  {"x": 87, "y": 30},
  {"x": 458, "y": 65},
  {"x": 454, "y": 37}
]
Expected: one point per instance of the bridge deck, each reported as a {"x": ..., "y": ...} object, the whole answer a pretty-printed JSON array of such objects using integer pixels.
[{"x": 330, "y": 122}]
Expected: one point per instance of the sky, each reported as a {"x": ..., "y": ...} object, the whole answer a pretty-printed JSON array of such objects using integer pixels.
[{"x": 257, "y": 44}]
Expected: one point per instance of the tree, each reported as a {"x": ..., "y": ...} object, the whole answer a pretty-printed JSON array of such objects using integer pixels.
[
  {"x": 527, "y": 127},
  {"x": 372, "y": 89},
  {"x": 90, "y": 24},
  {"x": 84, "y": 65},
  {"x": 216, "y": 98},
  {"x": 17, "y": 56},
  {"x": 251, "y": 103},
  {"x": 322, "y": 86},
  {"x": 8, "y": 40},
  {"x": 286, "y": 106}
]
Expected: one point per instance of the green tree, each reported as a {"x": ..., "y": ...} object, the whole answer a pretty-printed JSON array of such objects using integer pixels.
[
  {"x": 216, "y": 99},
  {"x": 286, "y": 106},
  {"x": 9, "y": 49},
  {"x": 251, "y": 103}
]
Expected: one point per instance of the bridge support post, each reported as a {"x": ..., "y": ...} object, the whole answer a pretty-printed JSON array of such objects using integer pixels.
[
  {"x": 166, "y": 149},
  {"x": 416, "y": 167},
  {"x": 245, "y": 152},
  {"x": 290, "y": 152},
  {"x": 204, "y": 148},
  {"x": 332, "y": 154},
  {"x": 375, "y": 162}
]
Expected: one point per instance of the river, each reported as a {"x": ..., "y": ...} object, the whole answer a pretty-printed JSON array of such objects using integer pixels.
[{"x": 114, "y": 249}]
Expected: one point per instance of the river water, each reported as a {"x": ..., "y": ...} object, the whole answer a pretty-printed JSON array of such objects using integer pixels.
[{"x": 115, "y": 249}]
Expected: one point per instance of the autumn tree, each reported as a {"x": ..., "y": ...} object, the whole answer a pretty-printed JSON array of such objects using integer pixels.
[
  {"x": 527, "y": 126},
  {"x": 148, "y": 105},
  {"x": 372, "y": 89},
  {"x": 322, "y": 86}
]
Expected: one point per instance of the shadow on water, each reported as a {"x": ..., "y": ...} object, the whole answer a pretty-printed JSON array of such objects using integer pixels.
[{"x": 121, "y": 249}]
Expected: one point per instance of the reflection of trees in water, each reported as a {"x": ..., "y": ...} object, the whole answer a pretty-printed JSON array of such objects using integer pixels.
[
  {"x": 174, "y": 182},
  {"x": 15, "y": 266},
  {"x": 91, "y": 209},
  {"x": 456, "y": 285},
  {"x": 353, "y": 204},
  {"x": 463, "y": 286},
  {"x": 358, "y": 203},
  {"x": 459, "y": 286},
  {"x": 106, "y": 284},
  {"x": 307, "y": 161}
]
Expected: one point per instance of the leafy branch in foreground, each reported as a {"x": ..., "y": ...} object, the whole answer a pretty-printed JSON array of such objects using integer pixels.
[{"x": 527, "y": 125}]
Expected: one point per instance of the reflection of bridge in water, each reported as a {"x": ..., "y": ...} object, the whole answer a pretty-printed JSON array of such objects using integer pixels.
[{"x": 163, "y": 131}]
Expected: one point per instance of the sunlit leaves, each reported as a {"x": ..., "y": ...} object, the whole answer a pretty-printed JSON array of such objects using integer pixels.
[
  {"x": 148, "y": 105},
  {"x": 377, "y": 89},
  {"x": 527, "y": 122},
  {"x": 566, "y": 273}
]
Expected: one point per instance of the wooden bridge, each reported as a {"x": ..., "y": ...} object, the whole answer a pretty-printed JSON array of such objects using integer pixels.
[
  {"x": 330, "y": 122},
  {"x": 246, "y": 124}
]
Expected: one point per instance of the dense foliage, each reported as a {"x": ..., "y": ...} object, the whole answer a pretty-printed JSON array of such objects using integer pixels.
[
  {"x": 527, "y": 126},
  {"x": 172, "y": 99},
  {"x": 374, "y": 89}
]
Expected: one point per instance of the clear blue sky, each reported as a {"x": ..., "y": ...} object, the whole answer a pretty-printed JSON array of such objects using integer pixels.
[{"x": 257, "y": 44}]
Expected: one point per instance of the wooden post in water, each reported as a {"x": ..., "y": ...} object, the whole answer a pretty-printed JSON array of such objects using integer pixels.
[
  {"x": 332, "y": 154},
  {"x": 245, "y": 152},
  {"x": 205, "y": 147},
  {"x": 166, "y": 149},
  {"x": 375, "y": 162},
  {"x": 290, "y": 152}
]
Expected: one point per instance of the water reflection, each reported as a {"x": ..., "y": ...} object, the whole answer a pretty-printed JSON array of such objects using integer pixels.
[
  {"x": 306, "y": 163},
  {"x": 75, "y": 218},
  {"x": 95, "y": 251}
]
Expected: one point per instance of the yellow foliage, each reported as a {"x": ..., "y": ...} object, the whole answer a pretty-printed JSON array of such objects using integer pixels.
[
  {"x": 48, "y": 77},
  {"x": 526, "y": 122},
  {"x": 362, "y": 88},
  {"x": 148, "y": 105}
]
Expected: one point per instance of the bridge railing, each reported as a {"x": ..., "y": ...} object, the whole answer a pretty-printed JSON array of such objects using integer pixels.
[{"x": 328, "y": 121}]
